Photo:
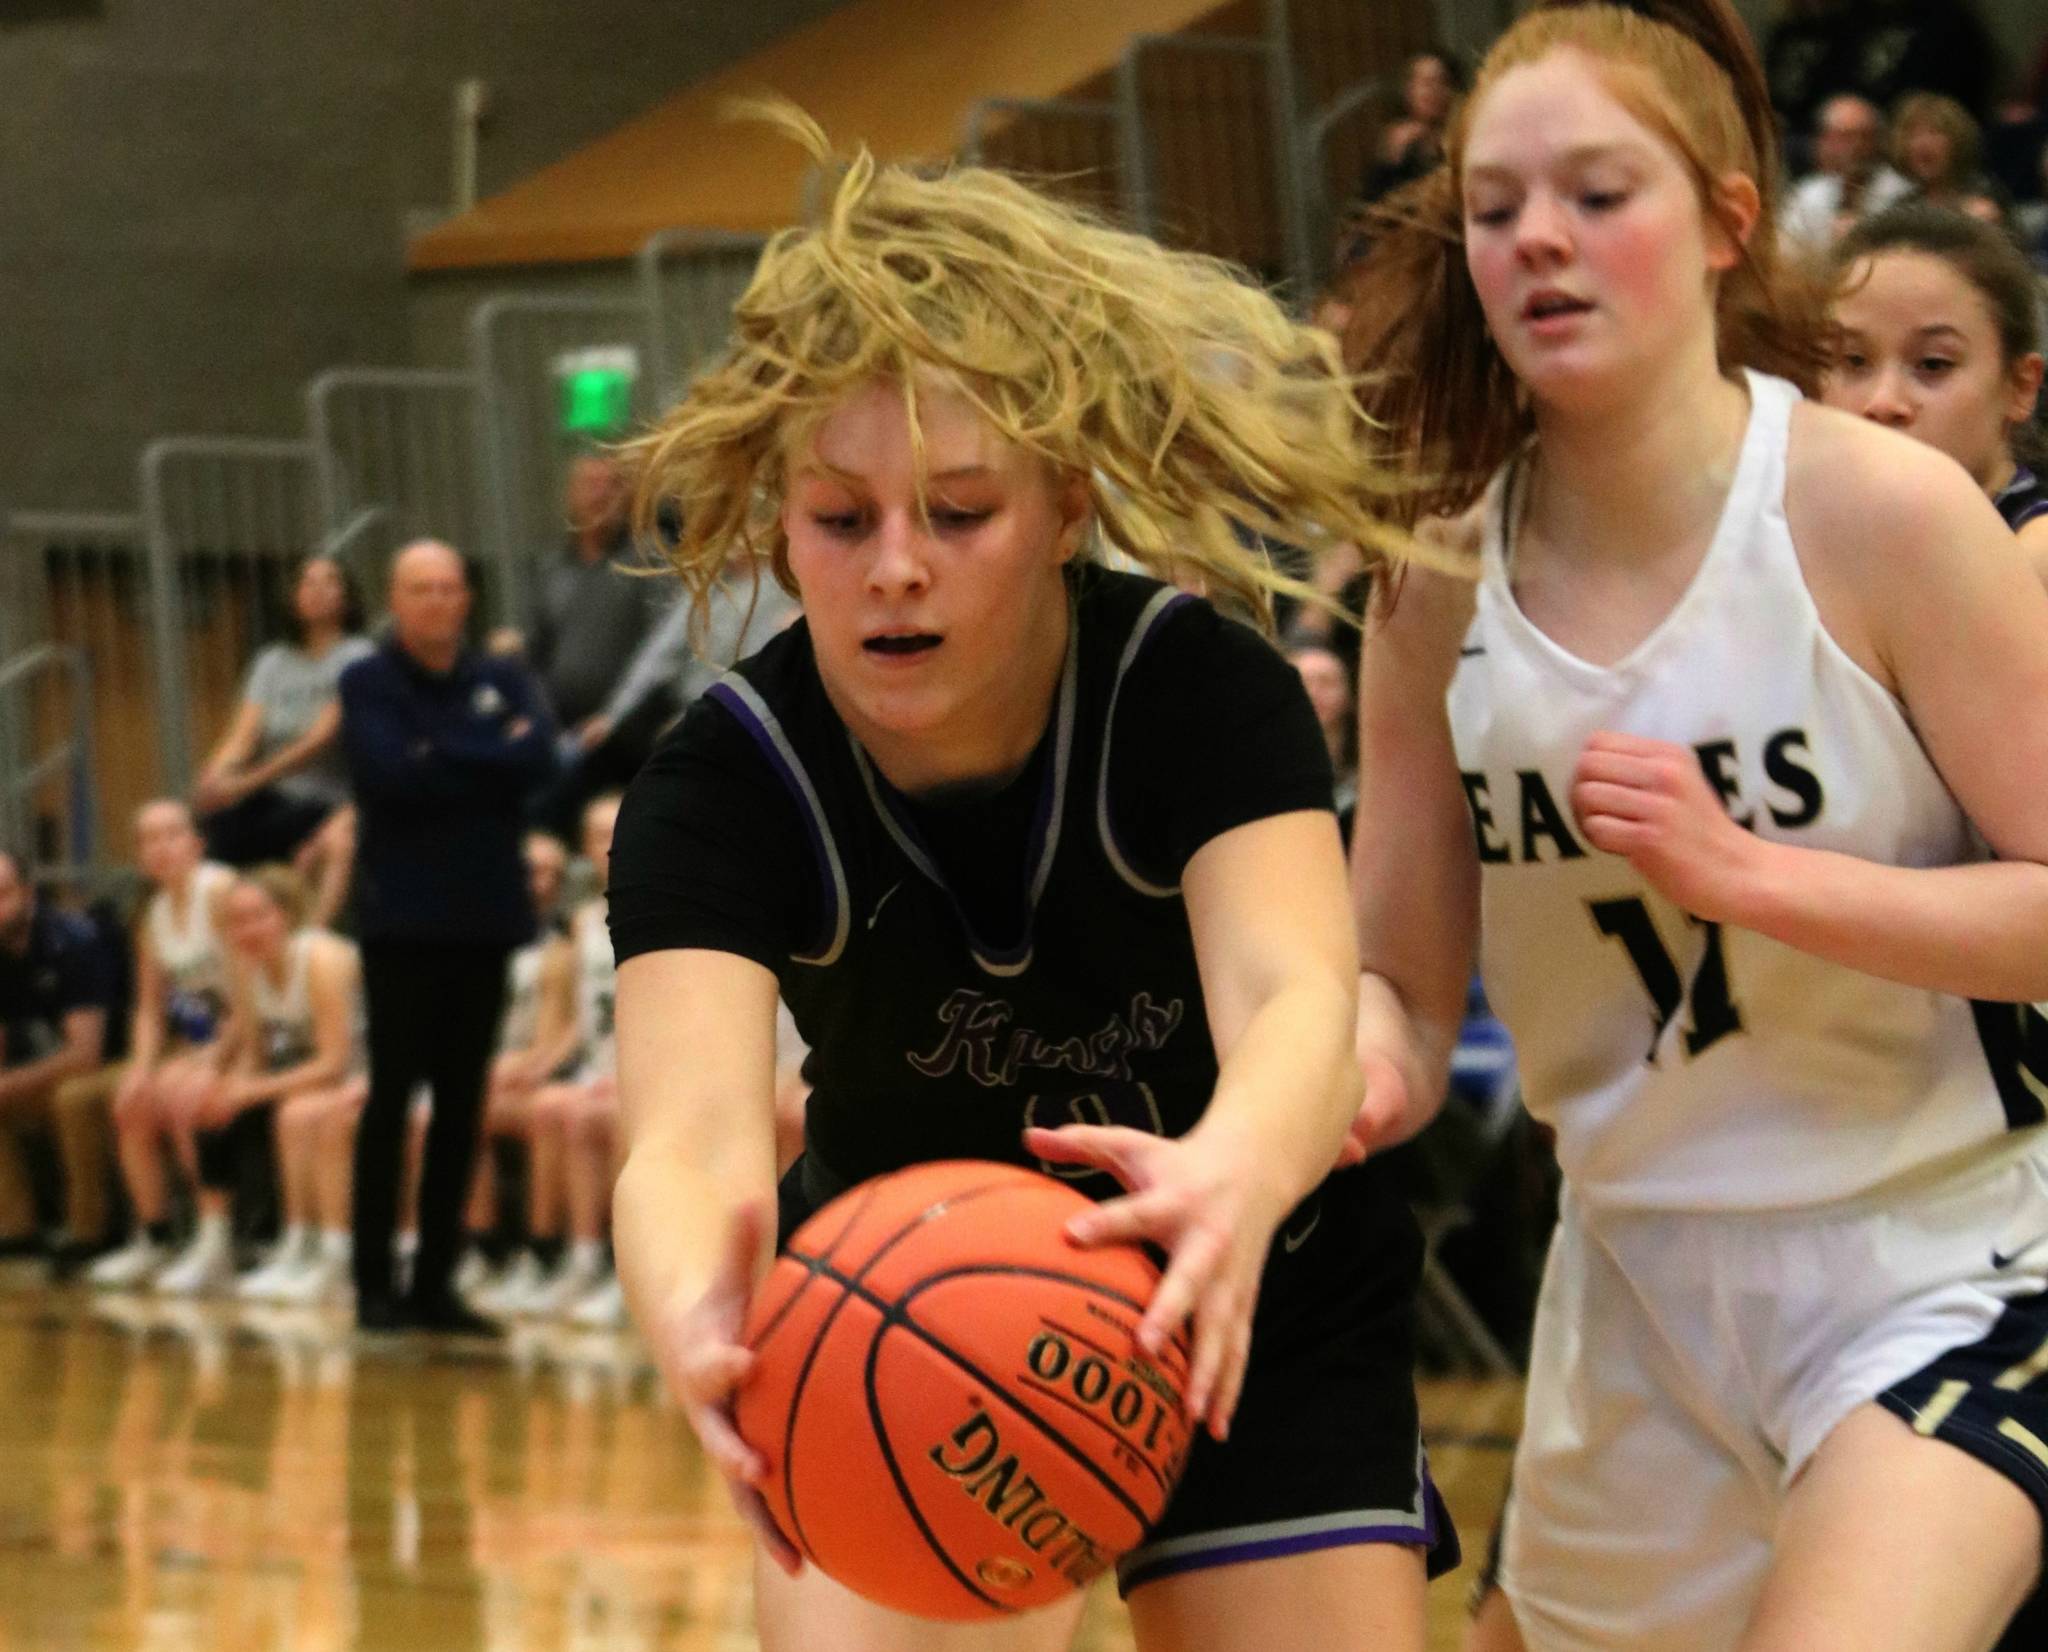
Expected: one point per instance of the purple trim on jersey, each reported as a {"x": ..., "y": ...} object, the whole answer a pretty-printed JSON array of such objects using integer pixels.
[
  {"x": 831, "y": 932},
  {"x": 2021, "y": 500},
  {"x": 1272, "y": 1548},
  {"x": 1040, "y": 848},
  {"x": 1422, "y": 1533},
  {"x": 998, "y": 959}
]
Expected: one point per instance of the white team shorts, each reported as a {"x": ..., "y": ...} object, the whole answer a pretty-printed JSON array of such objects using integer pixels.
[{"x": 1686, "y": 1366}]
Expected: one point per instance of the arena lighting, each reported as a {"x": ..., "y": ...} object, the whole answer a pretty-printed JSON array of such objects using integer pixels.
[{"x": 595, "y": 390}]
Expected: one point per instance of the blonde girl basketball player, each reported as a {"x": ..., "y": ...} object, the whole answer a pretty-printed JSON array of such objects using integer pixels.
[
  {"x": 988, "y": 784},
  {"x": 1742, "y": 689},
  {"x": 1941, "y": 339}
]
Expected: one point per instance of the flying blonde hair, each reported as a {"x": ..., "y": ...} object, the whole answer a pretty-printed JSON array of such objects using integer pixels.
[{"x": 1203, "y": 419}]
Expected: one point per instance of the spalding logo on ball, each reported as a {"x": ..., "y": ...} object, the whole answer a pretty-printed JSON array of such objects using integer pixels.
[{"x": 950, "y": 1396}]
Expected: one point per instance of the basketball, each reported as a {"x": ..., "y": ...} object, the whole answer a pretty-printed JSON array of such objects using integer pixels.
[{"x": 957, "y": 1419}]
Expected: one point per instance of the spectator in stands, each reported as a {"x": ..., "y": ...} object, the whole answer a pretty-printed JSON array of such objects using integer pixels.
[
  {"x": 574, "y": 1124},
  {"x": 2030, "y": 219},
  {"x": 590, "y": 617},
  {"x": 539, "y": 1042},
  {"x": 2017, "y": 131},
  {"x": 682, "y": 656},
  {"x": 1809, "y": 54},
  {"x": 444, "y": 747},
  {"x": 174, "y": 1048},
  {"x": 1878, "y": 49},
  {"x": 294, "y": 1001},
  {"x": 1935, "y": 143},
  {"x": 277, "y": 778},
  {"x": 56, "y": 991},
  {"x": 1413, "y": 146},
  {"x": 1328, "y": 681},
  {"x": 1939, "y": 46},
  {"x": 1850, "y": 178}
]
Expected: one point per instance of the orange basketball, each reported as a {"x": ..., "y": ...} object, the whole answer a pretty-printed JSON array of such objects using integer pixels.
[{"x": 956, "y": 1416}]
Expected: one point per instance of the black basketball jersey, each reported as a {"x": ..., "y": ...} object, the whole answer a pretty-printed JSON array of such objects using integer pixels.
[
  {"x": 2022, "y": 499},
  {"x": 935, "y": 1030}
]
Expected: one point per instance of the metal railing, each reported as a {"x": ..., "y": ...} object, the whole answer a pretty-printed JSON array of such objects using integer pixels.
[
  {"x": 78, "y": 580},
  {"x": 224, "y": 518},
  {"x": 516, "y": 343},
  {"x": 1071, "y": 146},
  {"x": 689, "y": 282},
  {"x": 1207, "y": 151},
  {"x": 28, "y": 780},
  {"x": 401, "y": 442},
  {"x": 1331, "y": 169},
  {"x": 1240, "y": 146}
]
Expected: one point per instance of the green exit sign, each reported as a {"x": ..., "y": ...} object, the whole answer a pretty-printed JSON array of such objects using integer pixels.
[{"x": 595, "y": 398}]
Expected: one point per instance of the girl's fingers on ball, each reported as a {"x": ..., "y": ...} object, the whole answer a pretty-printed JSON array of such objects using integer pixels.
[{"x": 755, "y": 1513}]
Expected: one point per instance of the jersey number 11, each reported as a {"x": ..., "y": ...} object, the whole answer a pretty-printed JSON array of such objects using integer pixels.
[{"x": 1711, "y": 1014}]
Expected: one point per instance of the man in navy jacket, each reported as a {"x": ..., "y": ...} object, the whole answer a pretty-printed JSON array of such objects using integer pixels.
[{"x": 443, "y": 746}]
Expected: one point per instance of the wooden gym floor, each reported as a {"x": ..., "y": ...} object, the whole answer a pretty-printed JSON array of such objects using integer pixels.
[{"x": 179, "y": 1475}]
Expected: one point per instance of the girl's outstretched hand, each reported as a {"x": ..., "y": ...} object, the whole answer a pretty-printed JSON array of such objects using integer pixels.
[
  {"x": 698, "y": 1344},
  {"x": 1197, "y": 1201}
]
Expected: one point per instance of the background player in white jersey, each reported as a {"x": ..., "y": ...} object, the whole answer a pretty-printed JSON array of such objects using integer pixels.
[
  {"x": 1941, "y": 338},
  {"x": 295, "y": 1001},
  {"x": 574, "y": 1132},
  {"x": 1713, "y": 745},
  {"x": 181, "y": 988},
  {"x": 538, "y": 1042}
]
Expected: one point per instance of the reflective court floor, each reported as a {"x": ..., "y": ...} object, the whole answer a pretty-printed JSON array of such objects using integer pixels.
[{"x": 196, "y": 1475}]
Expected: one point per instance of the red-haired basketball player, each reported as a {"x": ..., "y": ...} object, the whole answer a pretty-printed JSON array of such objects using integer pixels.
[{"x": 1747, "y": 687}]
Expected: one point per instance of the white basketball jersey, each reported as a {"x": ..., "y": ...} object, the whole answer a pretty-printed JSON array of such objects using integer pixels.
[
  {"x": 187, "y": 950},
  {"x": 522, "y": 996},
  {"x": 284, "y": 1014},
  {"x": 596, "y": 989},
  {"x": 1686, "y": 1066}
]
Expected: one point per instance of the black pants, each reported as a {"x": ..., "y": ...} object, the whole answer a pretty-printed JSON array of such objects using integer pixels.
[
  {"x": 434, "y": 1013},
  {"x": 240, "y": 1160},
  {"x": 265, "y": 826}
]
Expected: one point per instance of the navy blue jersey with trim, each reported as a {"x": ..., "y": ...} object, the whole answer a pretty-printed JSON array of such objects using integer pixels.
[
  {"x": 941, "y": 1022},
  {"x": 2022, "y": 500}
]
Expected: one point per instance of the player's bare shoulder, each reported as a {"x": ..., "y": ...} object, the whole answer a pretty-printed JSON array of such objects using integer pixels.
[
  {"x": 1873, "y": 512},
  {"x": 1855, "y": 491}
]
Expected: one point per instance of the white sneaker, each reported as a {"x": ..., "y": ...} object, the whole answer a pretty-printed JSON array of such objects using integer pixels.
[
  {"x": 287, "y": 1260},
  {"x": 570, "y": 1282},
  {"x": 207, "y": 1265},
  {"x": 472, "y": 1273},
  {"x": 603, "y": 1309},
  {"x": 512, "y": 1289},
  {"x": 131, "y": 1267},
  {"x": 319, "y": 1280}
]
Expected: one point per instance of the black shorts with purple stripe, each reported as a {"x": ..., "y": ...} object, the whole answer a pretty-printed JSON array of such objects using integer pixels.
[{"x": 1326, "y": 1448}]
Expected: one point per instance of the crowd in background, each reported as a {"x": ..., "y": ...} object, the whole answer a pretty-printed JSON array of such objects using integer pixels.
[
  {"x": 222, "y": 1094},
  {"x": 380, "y": 907}
]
